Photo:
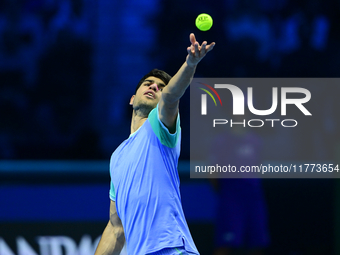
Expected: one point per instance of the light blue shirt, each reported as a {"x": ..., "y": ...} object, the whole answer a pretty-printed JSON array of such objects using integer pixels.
[{"x": 145, "y": 186}]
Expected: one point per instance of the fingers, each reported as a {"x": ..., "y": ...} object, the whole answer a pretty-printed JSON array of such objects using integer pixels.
[
  {"x": 199, "y": 51},
  {"x": 203, "y": 48},
  {"x": 210, "y": 47},
  {"x": 197, "y": 47},
  {"x": 192, "y": 38},
  {"x": 196, "y": 51},
  {"x": 189, "y": 50}
]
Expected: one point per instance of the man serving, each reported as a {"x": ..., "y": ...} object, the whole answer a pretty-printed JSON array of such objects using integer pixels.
[{"x": 146, "y": 208}]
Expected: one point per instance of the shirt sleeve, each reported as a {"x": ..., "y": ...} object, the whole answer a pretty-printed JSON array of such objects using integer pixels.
[
  {"x": 112, "y": 192},
  {"x": 161, "y": 131}
]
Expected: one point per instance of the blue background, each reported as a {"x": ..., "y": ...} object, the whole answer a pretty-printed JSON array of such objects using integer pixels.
[{"x": 68, "y": 69}]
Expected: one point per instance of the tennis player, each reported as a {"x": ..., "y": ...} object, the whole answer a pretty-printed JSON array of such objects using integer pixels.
[{"x": 146, "y": 209}]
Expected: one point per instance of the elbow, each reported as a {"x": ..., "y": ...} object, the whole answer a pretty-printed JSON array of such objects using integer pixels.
[
  {"x": 119, "y": 232},
  {"x": 120, "y": 237}
]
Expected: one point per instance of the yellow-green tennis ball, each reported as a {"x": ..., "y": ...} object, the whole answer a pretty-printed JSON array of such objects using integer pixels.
[{"x": 204, "y": 22}]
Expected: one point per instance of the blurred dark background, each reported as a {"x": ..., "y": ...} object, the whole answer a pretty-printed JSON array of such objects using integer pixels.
[{"x": 69, "y": 67}]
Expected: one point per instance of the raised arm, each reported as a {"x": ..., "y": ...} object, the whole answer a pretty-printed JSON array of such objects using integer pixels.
[
  {"x": 113, "y": 238},
  {"x": 168, "y": 104}
]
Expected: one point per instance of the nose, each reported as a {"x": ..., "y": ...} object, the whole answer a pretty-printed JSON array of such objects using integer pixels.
[{"x": 154, "y": 87}]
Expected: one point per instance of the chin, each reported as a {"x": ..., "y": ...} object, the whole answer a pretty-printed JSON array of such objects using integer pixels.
[{"x": 145, "y": 107}]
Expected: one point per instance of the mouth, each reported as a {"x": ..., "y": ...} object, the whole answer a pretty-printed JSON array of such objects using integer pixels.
[{"x": 150, "y": 94}]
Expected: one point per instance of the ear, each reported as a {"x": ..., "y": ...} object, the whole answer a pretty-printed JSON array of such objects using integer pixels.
[{"x": 131, "y": 100}]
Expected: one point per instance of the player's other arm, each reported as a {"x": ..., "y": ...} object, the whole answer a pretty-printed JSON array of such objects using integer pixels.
[
  {"x": 168, "y": 104},
  {"x": 113, "y": 238}
]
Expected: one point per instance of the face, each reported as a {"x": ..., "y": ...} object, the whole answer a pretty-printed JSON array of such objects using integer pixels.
[{"x": 148, "y": 94}]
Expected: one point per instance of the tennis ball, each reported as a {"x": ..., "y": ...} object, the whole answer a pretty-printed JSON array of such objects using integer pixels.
[{"x": 204, "y": 22}]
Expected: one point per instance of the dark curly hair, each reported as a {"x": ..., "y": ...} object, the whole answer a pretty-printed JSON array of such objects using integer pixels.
[{"x": 156, "y": 73}]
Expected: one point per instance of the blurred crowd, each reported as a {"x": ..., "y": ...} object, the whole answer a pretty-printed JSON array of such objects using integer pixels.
[
  {"x": 47, "y": 49},
  {"x": 45, "y": 78}
]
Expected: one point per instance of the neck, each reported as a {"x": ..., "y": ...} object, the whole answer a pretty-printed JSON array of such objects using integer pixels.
[
  {"x": 137, "y": 121},
  {"x": 139, "y": 115}
]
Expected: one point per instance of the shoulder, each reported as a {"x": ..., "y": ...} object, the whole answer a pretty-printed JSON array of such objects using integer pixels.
[{"x": 161, "y": 131}]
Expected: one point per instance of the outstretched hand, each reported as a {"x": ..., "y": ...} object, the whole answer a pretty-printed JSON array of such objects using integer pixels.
[{"x": 196, "y": 52}]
